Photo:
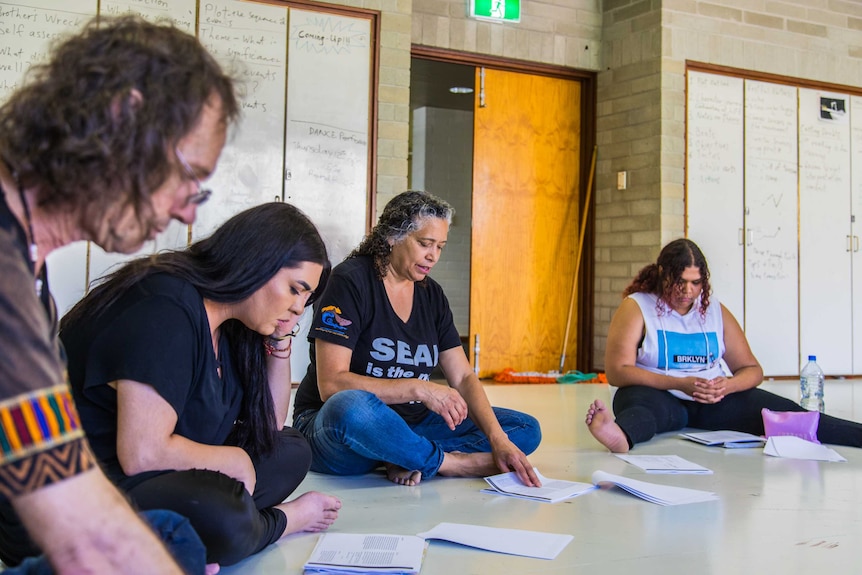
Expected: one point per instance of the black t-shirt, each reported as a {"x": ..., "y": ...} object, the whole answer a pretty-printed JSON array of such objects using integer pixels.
[
  {"x": 156, "y": 333},
  {"x": 354, "y": 312}
]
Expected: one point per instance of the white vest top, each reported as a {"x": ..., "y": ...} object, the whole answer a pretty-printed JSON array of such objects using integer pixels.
[{"x": 681, "y": 345}]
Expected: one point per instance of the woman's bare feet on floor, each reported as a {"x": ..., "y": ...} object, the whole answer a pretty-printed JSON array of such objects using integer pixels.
[
  {"x": 402, "y": 476},
  {"x": 458, "y": 464},
  {"x": 312, "y": 511},
  {"x": 603, "y": 427}
]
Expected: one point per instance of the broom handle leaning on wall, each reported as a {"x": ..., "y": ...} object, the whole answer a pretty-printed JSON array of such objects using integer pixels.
[{"x": 578, "y": 258}]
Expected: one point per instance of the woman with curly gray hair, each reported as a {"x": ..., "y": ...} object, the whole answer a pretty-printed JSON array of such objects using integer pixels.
[{"x": 380, "y": 328}]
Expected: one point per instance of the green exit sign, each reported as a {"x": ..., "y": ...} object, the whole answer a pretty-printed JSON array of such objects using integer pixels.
[{"x": 500, "y": 10}]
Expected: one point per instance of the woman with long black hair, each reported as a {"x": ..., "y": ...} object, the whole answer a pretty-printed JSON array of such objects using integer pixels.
[{"x": 179, "y": 365}]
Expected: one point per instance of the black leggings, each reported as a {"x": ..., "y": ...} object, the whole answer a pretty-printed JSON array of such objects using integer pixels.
[
  {"x": 642, "y": 412},
  {"x": 231, "y": 523}
]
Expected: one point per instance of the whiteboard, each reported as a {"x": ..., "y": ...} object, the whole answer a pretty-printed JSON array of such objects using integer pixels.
[
  {"x": 176, "y": 236},
  {"x": 771, "y": 263},
  {"x": 250, "y": 39},
  {"x": 326, "y": 152},
  {"x": 27, "y": 28},
  {"x": 714, "y": 181},
  {"x": 825, "y": 327},
  {"x": 180, "y": 12}
]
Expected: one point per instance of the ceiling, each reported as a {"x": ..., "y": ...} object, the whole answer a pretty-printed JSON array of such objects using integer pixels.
[{"x": 430, "y": 82}]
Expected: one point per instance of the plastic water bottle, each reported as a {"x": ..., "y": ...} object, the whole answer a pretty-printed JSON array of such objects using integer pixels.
[{"x": 811, "y": 386}]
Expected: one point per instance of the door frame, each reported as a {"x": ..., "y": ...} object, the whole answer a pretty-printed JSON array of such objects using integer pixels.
[{"x": 584, "y": 360}]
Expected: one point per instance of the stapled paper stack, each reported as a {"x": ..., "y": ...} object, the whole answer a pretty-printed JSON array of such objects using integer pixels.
[
  {"x": 551, "y": 491},
  {"x": 728, "y": 439},
  {"x": 664, "y": 464},
  {"x": 367, "y": 553},
  {"x": 654, "y": 493}
]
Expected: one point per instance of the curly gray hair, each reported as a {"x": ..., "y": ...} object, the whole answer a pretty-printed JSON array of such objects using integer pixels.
[{"x": 403, "y": 215}]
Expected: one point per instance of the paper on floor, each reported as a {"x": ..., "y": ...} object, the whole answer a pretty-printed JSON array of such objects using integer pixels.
[
  {"x": 551, "y": 491},
  {"x": 337, "y": 553},
  {"x": 653, "y": 492},
  {"x": 512, "y": 541},
  {"x": 725, "y": 438},
  {"x": 792, "y": 447},
  {"x": 664, "y": 464}
]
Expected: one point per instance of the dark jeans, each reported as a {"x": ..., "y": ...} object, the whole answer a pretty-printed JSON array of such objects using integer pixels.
[
  {"x": 173, "y": 529},
  {"x": 642, "y": 412}
]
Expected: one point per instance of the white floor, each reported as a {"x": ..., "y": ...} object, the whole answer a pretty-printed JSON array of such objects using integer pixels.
[{"x": 774, "y": 515}]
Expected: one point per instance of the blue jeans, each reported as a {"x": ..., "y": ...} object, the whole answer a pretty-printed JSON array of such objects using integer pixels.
[
  {"x": 173, "y": 529},
  {"x": 354, "y": 432}
]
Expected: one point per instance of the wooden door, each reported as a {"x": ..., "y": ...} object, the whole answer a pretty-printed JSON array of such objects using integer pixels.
[{"x": 526, "y": 173}]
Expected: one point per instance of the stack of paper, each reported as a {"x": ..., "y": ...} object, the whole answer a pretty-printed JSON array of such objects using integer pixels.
[
  {"x": 511, "y": 541},
  {"x": 551, "y": 491},
  {"x": 347, "y": 553},
  {"x": 358, "y": 553},
  {"x": 793, "y": 447},
  {"x": 664, "y": 464},
  {"x": 660, "y": 494},
  {"x": 728, "y": 439}
]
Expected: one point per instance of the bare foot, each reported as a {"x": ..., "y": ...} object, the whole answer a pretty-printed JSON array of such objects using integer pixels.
[
  {"x": 211, "y": 569},
  {"x": 603, "y": 427},
  {"x": 312, "y": 511},
  {"x": 402, "y": 476},
  {"x": 457, "y": 464}
]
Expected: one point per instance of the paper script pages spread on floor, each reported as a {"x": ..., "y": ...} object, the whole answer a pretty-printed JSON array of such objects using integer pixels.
[
  {"x": 403, "y": 554},
  {"x": 554, "y": 490},
  {"x": 664, "y": 464},
  {"x": 366, "y": 553},
  {"x": 551, "y": 491}
]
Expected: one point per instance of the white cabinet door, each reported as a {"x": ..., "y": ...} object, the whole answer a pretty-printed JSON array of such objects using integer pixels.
[
  {"x": 825, "y": 304},
  {"x": 856, "y": 226},
  {"x": 771, "y": 262},
  {"x": 714, "y": 181}
]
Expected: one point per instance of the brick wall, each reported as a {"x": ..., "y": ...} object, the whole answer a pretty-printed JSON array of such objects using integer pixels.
[
  {"x": 629, "y": 127},
  {"x": 561, "y": 32}
]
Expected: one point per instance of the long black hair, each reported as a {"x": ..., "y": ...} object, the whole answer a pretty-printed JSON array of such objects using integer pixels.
[{"x": 228, "y": 267}]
